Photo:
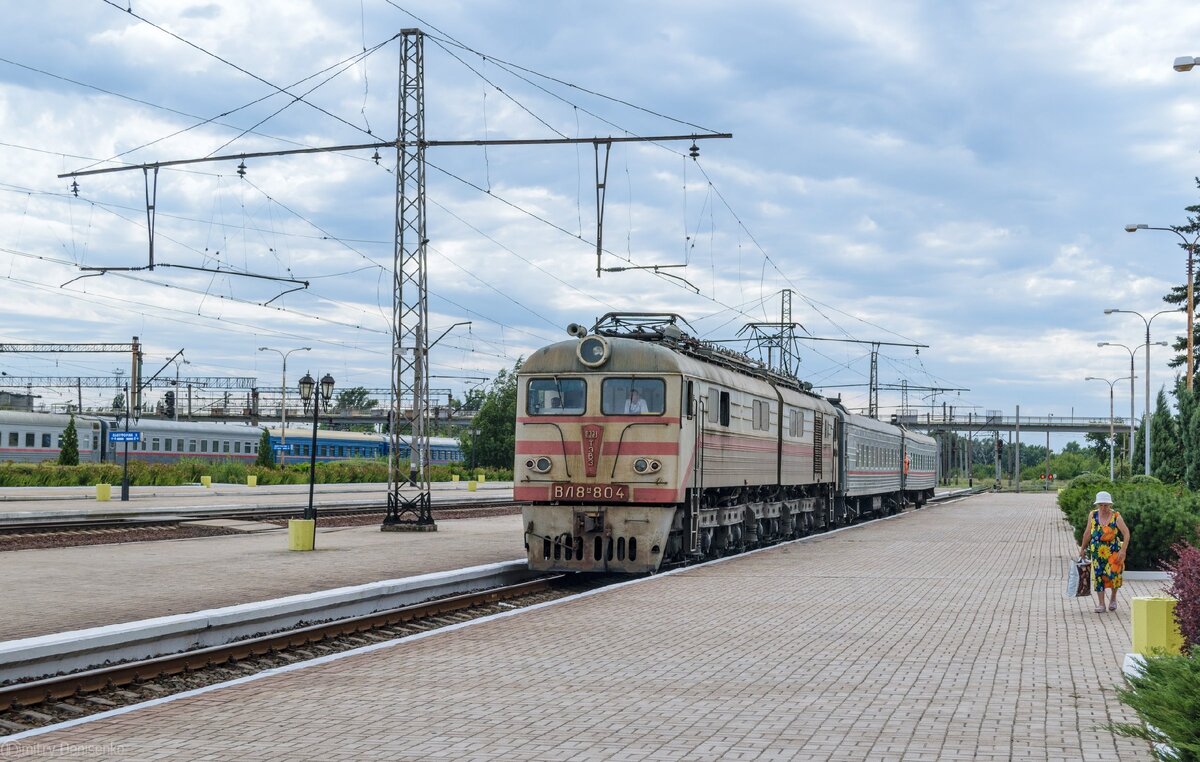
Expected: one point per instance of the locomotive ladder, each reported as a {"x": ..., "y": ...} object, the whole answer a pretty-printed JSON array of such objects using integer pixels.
[
  {"x": 693, "y": 509},
  {"x": 818, "y": 443}
]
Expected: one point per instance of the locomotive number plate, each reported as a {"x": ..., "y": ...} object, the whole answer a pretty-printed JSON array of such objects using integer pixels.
[{"x": 616, "y": 493}]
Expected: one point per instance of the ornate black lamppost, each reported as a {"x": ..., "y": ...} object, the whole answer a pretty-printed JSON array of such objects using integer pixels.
[{"x": 323, "y": 395}]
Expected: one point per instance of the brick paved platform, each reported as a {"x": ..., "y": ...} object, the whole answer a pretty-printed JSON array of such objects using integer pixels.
[
  {"x": 941, "y": 634},
  {"x": 56, "y": 589}
]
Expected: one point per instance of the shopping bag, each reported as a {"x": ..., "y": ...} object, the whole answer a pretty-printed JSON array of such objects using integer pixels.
[{"x": 1079, "y": 580}]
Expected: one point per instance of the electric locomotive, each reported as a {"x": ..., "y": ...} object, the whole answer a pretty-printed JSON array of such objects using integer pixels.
[{"x": 637, "y": 445}]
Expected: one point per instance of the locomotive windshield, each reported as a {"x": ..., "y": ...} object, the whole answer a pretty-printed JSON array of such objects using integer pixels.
[
  {"x": 633, "y": 396},
  {"x": 556, "y": 396}
]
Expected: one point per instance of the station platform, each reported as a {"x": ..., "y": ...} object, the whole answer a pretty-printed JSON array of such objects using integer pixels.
[
  {"x": 52, "y": 590},
  {"x": 21, "y": 500},
  {"x": 941, "y": 634}
]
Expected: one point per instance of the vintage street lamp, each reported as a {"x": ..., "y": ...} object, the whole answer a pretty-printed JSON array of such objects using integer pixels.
[{"x": 320, "y": 402}]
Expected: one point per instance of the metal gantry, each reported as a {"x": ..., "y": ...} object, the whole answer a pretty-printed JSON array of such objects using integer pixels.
[{"x": 409, "y": 503}]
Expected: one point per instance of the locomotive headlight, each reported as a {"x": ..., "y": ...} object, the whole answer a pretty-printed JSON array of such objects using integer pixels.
[
  {"x": 592, "y": 351},
  {"x": 540, "y": 465},
  {"x": 641, "y": 465},
  {"x": 655, "y": 466}
]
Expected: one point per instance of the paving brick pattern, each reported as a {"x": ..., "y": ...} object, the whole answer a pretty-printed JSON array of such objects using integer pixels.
[
  {"x": 57, "y": 589},
  {"x": 939, "y": 635}
]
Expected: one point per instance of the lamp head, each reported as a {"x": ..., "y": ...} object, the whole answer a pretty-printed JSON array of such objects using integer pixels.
[
  {"x": 306, "y": 387},
  {"x": 264, "y": 349},
  {"x": 1133, "y": 228},
  {"x": 1092, "y": 378},
  {"x": 1160, "y": 343},
  {"x": 1103, "y": 344},
  {"x": 327, "y": 387},
  {"x": 1184, "y": 63},
  {"x": 1109, "y": 311}
]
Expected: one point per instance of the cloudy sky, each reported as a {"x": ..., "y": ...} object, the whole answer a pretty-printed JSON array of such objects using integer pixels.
[{"x": 950, "y": 174}]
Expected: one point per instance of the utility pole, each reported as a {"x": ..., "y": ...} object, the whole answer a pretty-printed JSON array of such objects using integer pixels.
[
  {"x": 1017, "y": 452},
  {"x": 409, "y": 502}
]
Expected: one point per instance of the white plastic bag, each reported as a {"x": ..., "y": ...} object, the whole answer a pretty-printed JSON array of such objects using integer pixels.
[{"x": 1079, "y": 580}]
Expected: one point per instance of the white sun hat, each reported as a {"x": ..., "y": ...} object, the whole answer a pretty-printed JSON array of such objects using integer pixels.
[{"x": 1103, "y": 497}]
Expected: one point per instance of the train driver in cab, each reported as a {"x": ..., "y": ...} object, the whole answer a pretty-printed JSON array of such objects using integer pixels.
[{"x": 635, "y": 405}]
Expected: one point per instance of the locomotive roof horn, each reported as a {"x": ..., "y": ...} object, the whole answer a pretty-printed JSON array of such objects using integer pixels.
[{"x": 576, "y": 330}]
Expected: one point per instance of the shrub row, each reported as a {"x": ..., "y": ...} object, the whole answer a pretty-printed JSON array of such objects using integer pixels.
[
  {"x": 1158, "y": 515},
  {"x": 189, "y": 471}
]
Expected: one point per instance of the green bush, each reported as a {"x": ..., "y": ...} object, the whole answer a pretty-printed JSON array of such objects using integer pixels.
[
  {"x": 1158, "y": 515},
  {"x": 1144, "y": 479},
  {"x": 1166, "y": 696}
]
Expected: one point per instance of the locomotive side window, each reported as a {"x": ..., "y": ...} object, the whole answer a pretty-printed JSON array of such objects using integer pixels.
[
  {"x": 556, "y": 396},
  {"x": 633, "y": 396},
  {"x": 724, "y": 409},
  {"x": 713, "y": 407},
  {"x": 796, "y": 423}
]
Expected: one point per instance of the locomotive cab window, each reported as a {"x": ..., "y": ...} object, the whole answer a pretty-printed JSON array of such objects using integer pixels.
[
  {"x": 633, "y": 396},
  {"x": 556, "y": 396}
]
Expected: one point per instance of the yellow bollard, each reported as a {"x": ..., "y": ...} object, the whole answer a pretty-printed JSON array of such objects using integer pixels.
[
  {"x": 103, "y": 492},
  {"x": 1154, "y": 626},
  {"x": 454, "y": 477},
  {"x": 301, "y": 534},
  {"x": 206, "y": 481},
  {"x": 251, "y": 480},
  {"x": 471, "y": 486},
  {"x": 480, "y": 477}
]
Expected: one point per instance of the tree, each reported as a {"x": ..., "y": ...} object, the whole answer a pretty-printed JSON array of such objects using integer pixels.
[
  {"x": 68, "y": 451},
  {"x": 355, "y": 398},
  {"x": 1166, "y": 449},
  {"x": 1185, "y": 400},
  {"x": 1072, "y": 446},
  {"x": 119, "y": 401},
  {"x": 266, "y": 455},
  {"x": 1097, "y": 444},
  {"x": 496, "y": 422}
]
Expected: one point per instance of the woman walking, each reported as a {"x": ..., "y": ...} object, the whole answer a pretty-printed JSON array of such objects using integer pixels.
[{"x": 1101, "y": 546}]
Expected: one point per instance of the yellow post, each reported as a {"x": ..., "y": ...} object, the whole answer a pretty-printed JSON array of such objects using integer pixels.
[
  {"x": 480, "y": 477},
  {"x": 453, "y": 477},
  {"x": 1154, "y": 626},
  {"x": 251, "y": 480},
  {"x": 301, "y": 534},
  {"x": 471, "y": 486},
  {"x": 103, "y": 492},
  {"x": 206, "y": 481}
]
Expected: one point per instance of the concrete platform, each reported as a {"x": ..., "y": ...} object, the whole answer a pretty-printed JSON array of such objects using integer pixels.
[
  {"x": 56, "y": 589},
  {"x": 941, "y": 634},
  {"x": 54, "y": 500}
]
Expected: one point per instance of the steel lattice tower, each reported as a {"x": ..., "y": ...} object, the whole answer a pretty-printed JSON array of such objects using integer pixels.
[{"x": 408, "y": 495}]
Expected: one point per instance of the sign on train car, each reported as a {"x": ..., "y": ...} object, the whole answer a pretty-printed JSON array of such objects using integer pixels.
[{"x": 125, "y": 436}]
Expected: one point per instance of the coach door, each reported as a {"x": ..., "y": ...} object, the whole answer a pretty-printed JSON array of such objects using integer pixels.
[{"x": 818, "y": 445}]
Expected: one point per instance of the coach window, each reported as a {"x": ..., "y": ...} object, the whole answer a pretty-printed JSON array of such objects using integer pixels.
[
  {"x": 45, "y": 440},
  {"x": 632, "y": 396},
  {"x": 556, "y": 396},
  {"x": 167, "y": 444},
  {"x": 29, "y": 439},
  {"x": 14, "y": 439}
]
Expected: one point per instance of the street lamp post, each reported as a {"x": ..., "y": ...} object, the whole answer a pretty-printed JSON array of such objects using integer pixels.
[
  {"x": 323, "y": 395},
  {"x": 1146, "y": 412},
  {"x": 474, "y": 449},
  {"x": 1132, "y": 351},
  {"x": 125, "y": 467},
  {"x": 283, "y": 403},
  {"x": 1191, "y": 250},
  {"x": 1111, "y": 436}
]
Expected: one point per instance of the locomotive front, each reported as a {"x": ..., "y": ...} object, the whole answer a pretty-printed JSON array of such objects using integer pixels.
[{"x": 598, "y": 452}]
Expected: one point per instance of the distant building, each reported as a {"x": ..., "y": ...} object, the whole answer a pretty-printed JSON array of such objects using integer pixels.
[{"x": 23, "y": 402}]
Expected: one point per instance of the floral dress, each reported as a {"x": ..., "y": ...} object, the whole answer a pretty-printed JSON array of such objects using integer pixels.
[{"x": 1103, "y": 549}]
